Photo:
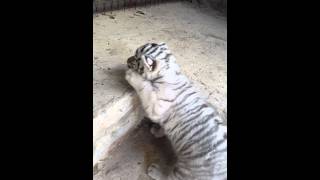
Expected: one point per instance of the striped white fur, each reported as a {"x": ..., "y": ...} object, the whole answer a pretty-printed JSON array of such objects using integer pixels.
[{"x": 191, "y": 124}]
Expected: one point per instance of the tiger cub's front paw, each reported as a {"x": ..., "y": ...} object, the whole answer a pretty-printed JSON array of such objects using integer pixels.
[
  {"x": 131, "y": 77},
  {"x": 134, "y": 79},
  {"x": 129, "y": 74}
]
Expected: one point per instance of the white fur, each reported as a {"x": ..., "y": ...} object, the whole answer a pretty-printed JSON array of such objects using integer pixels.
[{"x": 155, "y": 99}]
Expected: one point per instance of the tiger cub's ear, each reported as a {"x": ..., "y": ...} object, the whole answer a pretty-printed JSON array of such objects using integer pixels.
[
  {"x": 149, "y": 62},
  {"x": 163, "y": 46}
]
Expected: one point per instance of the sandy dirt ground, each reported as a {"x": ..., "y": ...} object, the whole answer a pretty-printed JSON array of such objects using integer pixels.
[
  {"x": 196, "y": 36},
  {"x": 130, "y": 159}
]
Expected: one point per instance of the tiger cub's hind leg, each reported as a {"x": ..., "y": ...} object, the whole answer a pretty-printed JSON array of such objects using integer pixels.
[{"x": 155, "y": 173}]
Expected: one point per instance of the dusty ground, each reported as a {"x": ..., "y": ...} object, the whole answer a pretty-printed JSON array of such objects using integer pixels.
[
  {"x": 196, "y": 36},
  {"x": 131, "y": 158}
]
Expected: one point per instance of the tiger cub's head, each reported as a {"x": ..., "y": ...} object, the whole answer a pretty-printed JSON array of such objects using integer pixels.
[{"x": 153, "y": 60}]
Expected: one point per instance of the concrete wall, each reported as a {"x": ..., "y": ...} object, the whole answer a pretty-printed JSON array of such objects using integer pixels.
[
  {"x": 105, "y": 5},
  {"x": 220, "y": 5}
]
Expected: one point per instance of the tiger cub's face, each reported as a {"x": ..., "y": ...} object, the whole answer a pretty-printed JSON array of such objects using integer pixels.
[{"x": 153, "y": 60}]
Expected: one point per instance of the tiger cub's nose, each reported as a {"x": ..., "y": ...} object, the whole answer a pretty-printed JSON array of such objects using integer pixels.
[{"x": 131, "y": 61}]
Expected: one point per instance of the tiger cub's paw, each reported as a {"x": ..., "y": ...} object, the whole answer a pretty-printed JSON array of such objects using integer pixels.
[
  {"x": 154, "y": 172},
  {"x": 129, "y": 75},
  {"x": 133, "y": 78}
]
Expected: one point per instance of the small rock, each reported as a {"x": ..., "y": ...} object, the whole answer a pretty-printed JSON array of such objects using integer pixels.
[{"x": 140, "y": 12}]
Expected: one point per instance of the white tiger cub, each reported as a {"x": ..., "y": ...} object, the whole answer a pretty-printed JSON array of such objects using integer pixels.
[{"x": 197, "y": 134}]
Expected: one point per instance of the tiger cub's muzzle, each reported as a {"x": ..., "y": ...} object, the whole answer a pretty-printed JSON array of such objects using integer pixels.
[{"x": 132, "y": 63}]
